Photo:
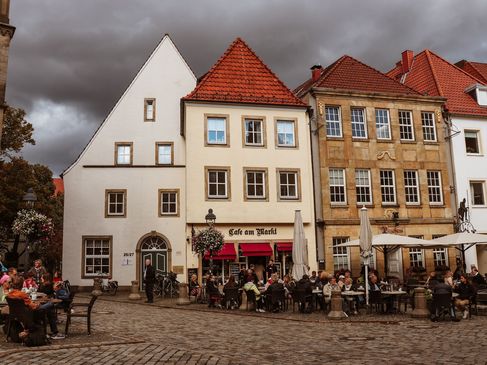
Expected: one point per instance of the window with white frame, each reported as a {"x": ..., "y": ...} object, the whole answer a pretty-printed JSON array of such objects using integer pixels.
[
  {"x": 96, "y": 256},
  {"x": 359, "y": 125},
  {"x": 288, "y": 185},
  {"x": 254, "y": 133},
  {"x": 472, "y": 142},
  {"x": 477, "y": 192},
  {"x": 150, "y": 110},
  {"x": 411, "y": 187},
  {"x": 435, "y": 194},
  {"x": 363, "y": 186},
  {"x": 255, "y": 184},
  {"x": 168, "y": 202},
  {"x": 340, "y": 254},
  {"x": 406, "y": 129},
  {"x": 440, "y": 257},
  {"x": 116, "y": 203},
  {"x": 333, "y": 121},
  {"x": 217, "y": 184},
  {"x": 382, "y": 124},
  {"x": 123, "y": 153},
  {"x": 387, "y": 186},
  {"x": 429, "y": 129},
  {"x": 164, "y": 153},
  {"x": 337, "y": 186},
  {"x": 416, "y": 258},
  {"x": 286, "y": 133},
  {"x": 216, "y": 130}
]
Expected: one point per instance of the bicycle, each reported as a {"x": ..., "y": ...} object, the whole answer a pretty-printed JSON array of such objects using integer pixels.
[
  {"x": 109, "y": 286},
  {"x": 166, "y": 286}
]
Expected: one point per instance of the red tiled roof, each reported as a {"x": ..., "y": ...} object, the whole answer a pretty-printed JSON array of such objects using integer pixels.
[
  {"x": 349, "y": 74},
  {"x": 239, "y": 76},
  {"x": 430, "y": 74},
  {"x": 476, "y": 69},
  {"x": 59, "y": 185}
]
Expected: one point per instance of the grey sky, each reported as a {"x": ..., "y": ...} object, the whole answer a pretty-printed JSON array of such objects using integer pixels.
[{"x": 70, "y": 60}]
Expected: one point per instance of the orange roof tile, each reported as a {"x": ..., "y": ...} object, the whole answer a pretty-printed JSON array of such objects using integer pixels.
[
  {"x": 430, "y": 74},
  {"x": 239, "y": 76},
  {"x": 476, "y": 69},
  {"x": 349, "y": 74},
  {"x": 58, "y": 185}
]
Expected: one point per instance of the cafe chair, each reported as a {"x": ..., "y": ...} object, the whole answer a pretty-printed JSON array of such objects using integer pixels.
[
  {"x": 18, "y": 313},
  {"x": 276, "y": 300},
  {"x": 251, "y": 299},
  {"x": 442, "y": 305},
  {"x": 231, "y": 297},
  {"x": 376, "y": 301},
  {"x": 74, "y": 312}
]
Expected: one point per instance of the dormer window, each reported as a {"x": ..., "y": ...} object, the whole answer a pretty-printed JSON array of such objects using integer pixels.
[{"x": 479, "y": 93}]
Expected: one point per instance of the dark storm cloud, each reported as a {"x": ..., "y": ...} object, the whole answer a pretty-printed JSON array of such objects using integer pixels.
[{"x": 70, "y": 60}]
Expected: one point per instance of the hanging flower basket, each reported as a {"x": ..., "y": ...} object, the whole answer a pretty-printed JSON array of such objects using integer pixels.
[
  {"x": 34, "y": 226},
  {"x": 208, "y": 240}
]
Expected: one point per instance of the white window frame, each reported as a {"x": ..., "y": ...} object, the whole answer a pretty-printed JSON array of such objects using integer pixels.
[
  {"x": 479, "y": 144},
  {"x": 218, "y": 183},
  {"x": 287, "y": 184},
  {"x": 472, "y": 197},
  {"x": 440, "y": 252},
  {"x": 217, "y": 130},
  {"x": 264, "y": 184},
  {"x": 105, "y": 243},
  {"x": 358, "y": 122},
  {"x": 286, "y": 133},
  {"x": 341, "y": 255},
  {"x": 109, "y": 204},
  {"x": 428, "y": 126},
  {"x": 414, "y": 253},
  {"x": 430, "y": 187},
  {"x": 360, "y": 185},
  {"x": 171, "y": 202},
  {"x": 123, "y": 153},
  {"x": 414, "y": 187},
  {"x": 254, "y": 121},
  {"x": 405, "y": 128},
  {"x": 336, "y": 187},
  {"x": 379, "y": 126},
  {"x": 159, "y": 146},
  {"x": 149, "y": 110},
  {"x": 393, "y": 186},
  {"x": 337, "y": 124}
]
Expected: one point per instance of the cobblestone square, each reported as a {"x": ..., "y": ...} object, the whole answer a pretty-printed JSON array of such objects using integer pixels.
[{"x": 135, "y": 333}]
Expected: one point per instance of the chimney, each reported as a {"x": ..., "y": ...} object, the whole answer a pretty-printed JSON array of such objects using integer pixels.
[
  {"x": 407, "y": 61},
  {"x": 316, "y": 72}
]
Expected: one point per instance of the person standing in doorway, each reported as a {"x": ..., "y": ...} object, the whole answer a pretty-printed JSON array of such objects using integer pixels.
[{"x": 149, "y": 280}]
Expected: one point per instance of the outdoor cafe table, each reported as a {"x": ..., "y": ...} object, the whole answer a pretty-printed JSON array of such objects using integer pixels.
[{"x": 394, "y": 294}]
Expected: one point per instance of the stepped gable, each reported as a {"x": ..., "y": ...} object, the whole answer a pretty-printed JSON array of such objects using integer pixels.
[{"x": 240, "y": 76}]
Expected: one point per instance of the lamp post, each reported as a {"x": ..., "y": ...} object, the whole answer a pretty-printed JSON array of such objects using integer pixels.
[
  {"x": 210, "y": 220},
  {"x": 30, "y": 199}
]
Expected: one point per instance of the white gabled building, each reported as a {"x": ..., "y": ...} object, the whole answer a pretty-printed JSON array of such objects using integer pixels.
[
  {"x": 125, "y": 193},
  {"x": 466, "y": 114}
]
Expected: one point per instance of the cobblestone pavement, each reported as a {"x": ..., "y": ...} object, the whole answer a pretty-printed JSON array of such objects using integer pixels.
[{"x": 136, "y": 333}]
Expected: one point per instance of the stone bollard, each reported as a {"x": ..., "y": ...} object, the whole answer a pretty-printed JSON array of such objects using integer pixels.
[
  {"x": 336, "y": 311},
  {"x": 420, "y": 307},
  {"x": 134, "y": 291},
  {"x": 183, "y": 295},
  {"x": 97, "y": 287},
  {"x": 243, "y": 306}
]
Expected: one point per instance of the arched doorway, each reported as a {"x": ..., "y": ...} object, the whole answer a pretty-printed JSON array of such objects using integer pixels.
[{"x": 155, "y": 247}]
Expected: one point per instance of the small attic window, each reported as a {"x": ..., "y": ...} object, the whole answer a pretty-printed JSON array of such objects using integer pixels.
[{"x": 479, "y": 93}]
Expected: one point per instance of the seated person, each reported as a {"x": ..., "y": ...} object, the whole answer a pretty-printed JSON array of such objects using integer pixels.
[
  {"x": 29, "y": 281},
  {"x": 17, "y": 293},
  {"x": 231, "y": 287},
  {"x": 194, "y": 287},
  {"x": 46, "y": 286},
  {"x": 476, "y": 278},
  {"x": 465, "y": 292},
  {"x": 448, "y": 279},
  {"x": 441, "y": 288},
  {"x": 57, "y": 277},
  {"x": 350, "y": 301},
  {"x": 373, "y": 286},
  {"x": 214, "y": 296},
  {"x": 432, "y": 281},
  {"x": 288, "y": 285},
  {"x": 275, "y": 286},
  {"x": 250, "y": 286},
  {"x": 313, "y": 277},
  {"x": 341, "y": 279},
  {"x": 322, "y": 280},
  {"x": 60, "y": 292},
  {"x": 304, "y": 285},
  {"x": 329, "y": 287}
]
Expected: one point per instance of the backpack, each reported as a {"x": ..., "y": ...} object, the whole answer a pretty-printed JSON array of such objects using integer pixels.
[{"x": 36, "y": 337}]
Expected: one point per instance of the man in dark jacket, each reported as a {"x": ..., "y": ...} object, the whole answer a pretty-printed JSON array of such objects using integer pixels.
[
  {"x": 149, "y": 280},
  {"x": 304, "y": 285},
  {"x": 442, "y": 288}
]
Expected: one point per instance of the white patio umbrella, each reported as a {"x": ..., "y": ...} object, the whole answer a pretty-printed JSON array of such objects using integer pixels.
[
  {"x": 387, "y": 239},
  {"x": 462, "y": 241},
  {"x": 365, "y": 246},
  {"x": 300, "y": 250}
]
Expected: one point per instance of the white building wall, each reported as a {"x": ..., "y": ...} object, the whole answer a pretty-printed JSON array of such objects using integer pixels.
[
  {"x": 165, "y": 77},
  {"x": 470, "y": 167}
]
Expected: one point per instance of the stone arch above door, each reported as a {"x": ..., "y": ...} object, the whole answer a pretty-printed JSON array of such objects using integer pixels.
[{"x": 153, "y": 241}]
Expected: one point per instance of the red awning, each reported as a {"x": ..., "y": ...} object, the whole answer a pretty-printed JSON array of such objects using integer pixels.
[
  {"x": 226, "y": 253},
  {"x": 284, "y": 246},
  {"x": 256, "y": 249}
]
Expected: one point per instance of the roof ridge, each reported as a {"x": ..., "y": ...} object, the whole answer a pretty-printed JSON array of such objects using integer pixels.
[
  {"x": 471, "y": 63},
  {"x": 433, "y": 72}
]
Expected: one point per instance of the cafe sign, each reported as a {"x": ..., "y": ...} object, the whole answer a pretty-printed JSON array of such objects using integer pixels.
[{"x": 257, "y": 232}]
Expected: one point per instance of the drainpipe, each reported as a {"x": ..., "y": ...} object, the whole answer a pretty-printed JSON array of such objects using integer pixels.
[{"x": 451, "y": 165}]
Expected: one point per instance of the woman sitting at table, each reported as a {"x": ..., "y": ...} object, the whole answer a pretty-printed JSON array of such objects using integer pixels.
[
  {"x": 214, "y": 296},
  {"x": 329, "y": 287},
  {"x": 46, "y": 285},
  {"x": 349, "y": 302},
  {"x": 194, "y": 287},
  {"x": 465, "y": 292},
  {"x": 57, "y": 277},
  {"x": 251, "y": 287},
  {"x": 448, "y": 279},
  {"x": 29, "y": 281}
]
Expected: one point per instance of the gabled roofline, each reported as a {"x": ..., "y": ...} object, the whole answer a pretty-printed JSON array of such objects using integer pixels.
[{"x": 100, "y": 127}]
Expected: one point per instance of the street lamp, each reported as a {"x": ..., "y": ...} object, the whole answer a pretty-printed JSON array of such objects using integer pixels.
[
  {"x": 210, "y": 218},
  {"x": 30, "y": 198}
]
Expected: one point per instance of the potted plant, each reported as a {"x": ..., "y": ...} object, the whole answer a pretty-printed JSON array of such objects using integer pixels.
[{"x": 209, "y": 241}]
